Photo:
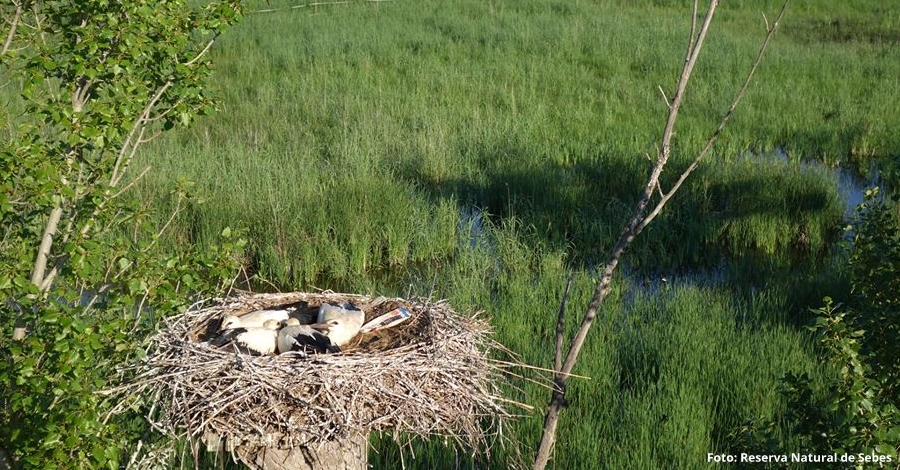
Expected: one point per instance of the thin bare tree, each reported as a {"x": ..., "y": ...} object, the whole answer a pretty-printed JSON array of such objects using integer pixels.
[{"x": 641, "y": 217}]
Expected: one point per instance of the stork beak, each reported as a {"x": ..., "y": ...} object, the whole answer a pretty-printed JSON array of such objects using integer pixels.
[{"x": 324, "y": 327}]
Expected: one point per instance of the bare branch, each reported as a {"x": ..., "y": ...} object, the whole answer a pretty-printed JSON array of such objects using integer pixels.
[
  {"x": 770, "y": 31},
  {"x": 126, "y": 153},
  {"x": 203, "y": 52},
  {"x": 134, "y": 137},
  {"x": 630, "y": 232},
  {"x": 165, "y": 226},
  {"x": 665, "y": 98},
  {"x": 130, "y": 183},
  {"x": 164, "y": 113},
  {"x": 307, "y": 5},
  {"x": 40, "y": 264},
  {"x": 142, "y": 140},
  {"x": 48, "y": 280},
  {"x": 80, "y": 95},
  {"x": 40, "y": 261},
  {"x": 690, "y": 61},
  {"x": 692, "y": 36},
  {"x": 12, "y": 29},
  {"x": 560, "y": 327},
  {"x": 37, "y": 24},
  {"x": 639, "y": 220}
]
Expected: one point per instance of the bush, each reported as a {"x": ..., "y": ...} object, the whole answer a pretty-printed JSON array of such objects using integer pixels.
[{"x": 858, "y": 411}]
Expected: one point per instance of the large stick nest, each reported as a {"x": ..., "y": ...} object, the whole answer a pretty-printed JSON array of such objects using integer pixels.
[{"x": 430, "y": 375}]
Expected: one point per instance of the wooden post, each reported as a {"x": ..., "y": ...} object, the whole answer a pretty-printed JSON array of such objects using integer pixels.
[{"x": 349, "y": 453}]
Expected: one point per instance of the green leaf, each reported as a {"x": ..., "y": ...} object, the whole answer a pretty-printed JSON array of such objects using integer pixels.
[
  {"x": 121, "y": 52},
  {"x": 137, "y": 286}
]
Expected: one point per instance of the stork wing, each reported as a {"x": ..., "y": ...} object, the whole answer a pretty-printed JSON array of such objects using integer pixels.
[{"x": 315, "y": 342}]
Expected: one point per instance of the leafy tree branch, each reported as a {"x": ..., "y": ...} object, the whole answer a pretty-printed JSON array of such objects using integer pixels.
[{"x": 95, "y": 81}]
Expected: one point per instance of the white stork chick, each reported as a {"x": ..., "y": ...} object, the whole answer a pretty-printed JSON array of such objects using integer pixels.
[
  {"x": 306, "y": 338},
  {"x": 342, "y": 322},
  {"x": 254, "y": 319},
  {"x": 260, "y": 340}
]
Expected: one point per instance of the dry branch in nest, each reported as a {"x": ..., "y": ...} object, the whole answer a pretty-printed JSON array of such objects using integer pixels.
[{"x": 428, "y": 376}]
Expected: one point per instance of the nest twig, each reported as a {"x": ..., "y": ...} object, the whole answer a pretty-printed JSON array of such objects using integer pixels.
[{"x": 428, "y": 376}]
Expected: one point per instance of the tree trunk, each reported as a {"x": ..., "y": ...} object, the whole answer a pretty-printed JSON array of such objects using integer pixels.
[
  {"x": 342, "y": 454},
  {"x": 6, "y": 463}
]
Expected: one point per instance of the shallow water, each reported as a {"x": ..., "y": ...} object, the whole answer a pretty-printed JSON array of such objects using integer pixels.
[{"x": 850, "y": 185}]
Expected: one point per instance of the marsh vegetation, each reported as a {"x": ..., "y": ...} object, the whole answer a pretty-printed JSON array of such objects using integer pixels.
[{"x": 485, "y": 151}]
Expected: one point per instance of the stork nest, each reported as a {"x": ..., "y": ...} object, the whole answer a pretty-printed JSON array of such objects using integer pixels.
[{"x": 428, "y": 376}]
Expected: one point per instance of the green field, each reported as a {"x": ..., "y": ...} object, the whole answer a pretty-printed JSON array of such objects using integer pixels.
[{"x": 483, "y": 151}]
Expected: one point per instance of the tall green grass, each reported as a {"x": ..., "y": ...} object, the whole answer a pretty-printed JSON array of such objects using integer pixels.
[
  {"x": 673, "y": 371},
  {"x": 539, "y": 109},
  {"x": 484, "y": 151}
]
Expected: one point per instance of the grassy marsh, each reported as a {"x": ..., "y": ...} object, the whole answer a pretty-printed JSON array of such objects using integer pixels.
[{"x": 484, "y": 151}]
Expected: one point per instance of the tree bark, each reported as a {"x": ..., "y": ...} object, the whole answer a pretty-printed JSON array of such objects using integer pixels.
[
  {"x": 6, "y": 463},
  {"x": 40, "y": 262}
]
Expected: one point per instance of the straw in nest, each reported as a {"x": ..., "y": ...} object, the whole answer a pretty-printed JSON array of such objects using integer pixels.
[{"x": 428, "y": 376}]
